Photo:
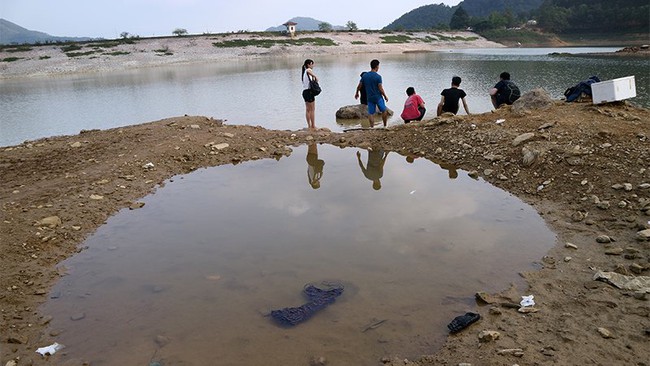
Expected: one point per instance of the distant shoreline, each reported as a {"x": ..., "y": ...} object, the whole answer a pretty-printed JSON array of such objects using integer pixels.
[{"x": 123, "y": 54}]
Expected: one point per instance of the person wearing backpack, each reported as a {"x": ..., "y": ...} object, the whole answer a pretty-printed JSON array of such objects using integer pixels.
[{"x": 505, "y": 91}]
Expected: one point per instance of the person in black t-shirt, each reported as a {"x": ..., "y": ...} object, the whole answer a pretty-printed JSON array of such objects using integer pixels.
[
  {"x": 451, "y": 97},
  {"x": 504, "y": 92}
]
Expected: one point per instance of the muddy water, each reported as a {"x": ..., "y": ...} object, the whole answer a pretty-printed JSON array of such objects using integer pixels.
[{"x": 187, "y": 279}]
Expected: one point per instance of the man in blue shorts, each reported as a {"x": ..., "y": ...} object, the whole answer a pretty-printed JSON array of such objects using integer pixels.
[{"x": 375, "y": 92}]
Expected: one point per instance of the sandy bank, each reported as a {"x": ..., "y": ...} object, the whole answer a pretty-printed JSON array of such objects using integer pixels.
[{"x": 50, "y": 60}]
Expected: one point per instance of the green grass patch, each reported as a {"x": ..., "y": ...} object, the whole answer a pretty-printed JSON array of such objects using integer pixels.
[
  {"x": 517, "y": 36},
  {"x": 116, "y": 53},
  {"x": 105, "y": 44},
  {"x": 268, "y": 43},
  {"x": 17, "y": 49},
  {"x": 358, "y": 42},
  {"x": 11, "y": 59},
  {"x": 70, "y": 48},
  {"x": 79, "y": 54},
  {"x": 396, "y": 39}
]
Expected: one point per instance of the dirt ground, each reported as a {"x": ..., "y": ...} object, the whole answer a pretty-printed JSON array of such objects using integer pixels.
[{"x": 585, "y": 168}]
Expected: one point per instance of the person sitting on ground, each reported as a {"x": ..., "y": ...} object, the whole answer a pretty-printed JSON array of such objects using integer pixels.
[
  {"x": 504, "y": 92},
  {"x": 413, "y": 107},
  {"x": 451, "y": 97}
]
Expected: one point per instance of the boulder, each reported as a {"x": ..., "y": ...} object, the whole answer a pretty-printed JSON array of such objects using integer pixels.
[
  {"x": 534, "y": 99},
  {"x": 356, "y": 111}
]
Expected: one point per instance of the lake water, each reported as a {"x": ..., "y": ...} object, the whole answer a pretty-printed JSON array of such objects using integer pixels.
[
  {"x": 268, "y": 92},
  {"x": 187, "y": 279}
]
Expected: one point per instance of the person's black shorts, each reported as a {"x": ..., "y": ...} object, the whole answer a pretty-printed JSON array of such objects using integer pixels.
[{"x": 308, "y": 96}]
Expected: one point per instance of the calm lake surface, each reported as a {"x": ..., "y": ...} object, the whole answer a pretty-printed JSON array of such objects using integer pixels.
[
  {"x": 268, "y": 92},
  {"x": 188, "y": 279}
]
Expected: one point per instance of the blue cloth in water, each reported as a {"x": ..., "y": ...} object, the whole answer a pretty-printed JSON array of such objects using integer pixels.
[{"x": 318, "y": 300}]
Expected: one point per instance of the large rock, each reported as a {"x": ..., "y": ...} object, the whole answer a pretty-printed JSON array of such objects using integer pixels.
[
  {"x": 356, "y": 111},
  {"x": 534, "y": 99}
]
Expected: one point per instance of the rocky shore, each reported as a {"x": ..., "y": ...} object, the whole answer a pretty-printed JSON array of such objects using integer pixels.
[{"x": 585, "y": 168}]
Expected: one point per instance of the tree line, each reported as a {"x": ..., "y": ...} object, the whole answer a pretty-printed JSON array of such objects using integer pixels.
[{"x": 553, "y": 16}]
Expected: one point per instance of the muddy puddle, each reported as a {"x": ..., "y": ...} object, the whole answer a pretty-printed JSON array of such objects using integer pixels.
[{"x": 190, "y": 278}]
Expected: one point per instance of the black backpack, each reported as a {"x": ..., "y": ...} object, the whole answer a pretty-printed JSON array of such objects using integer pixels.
[{"x": 513, "y": 93}]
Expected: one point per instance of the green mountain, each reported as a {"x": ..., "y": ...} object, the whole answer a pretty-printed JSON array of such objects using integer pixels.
[
  {"x": 434, "y": 15},
  {"x": 303, "y": 24},
  {"x": 11, "y": 33},
  {"x": 424, "y": 17},
  {"x": 483, "y": 8}
]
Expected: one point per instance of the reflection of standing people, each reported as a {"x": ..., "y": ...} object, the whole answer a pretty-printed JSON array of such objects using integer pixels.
[
  {"x": 505, "y": 91},
  {"x": 413, "y": 107},
  {"x": 314, "y": 166},
  {"x": 374, "y": 169},
  {"x": 307, "y": 95},
  {"x": 372, "y": 82},
  {"x": 451, "y": 97}
]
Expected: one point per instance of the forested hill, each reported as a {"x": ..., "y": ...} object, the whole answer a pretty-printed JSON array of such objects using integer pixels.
[
  {"x": 436, "y": 15},
  {"x": 553, "y": 16},
  {"x": 483, "y": 8},
  {"x": 595, "y": 16},
  {"x": 424, "y": 17}
]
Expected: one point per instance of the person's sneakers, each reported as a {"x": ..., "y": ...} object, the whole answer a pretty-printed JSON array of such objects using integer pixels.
[{"x": 461, "y": 322}]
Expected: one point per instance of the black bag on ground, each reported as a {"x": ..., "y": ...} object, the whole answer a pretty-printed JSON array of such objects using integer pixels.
[{"x": 583, "y": 87}]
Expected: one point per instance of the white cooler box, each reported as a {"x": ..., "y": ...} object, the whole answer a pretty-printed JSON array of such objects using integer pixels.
[{"x": 613, "y": 90}]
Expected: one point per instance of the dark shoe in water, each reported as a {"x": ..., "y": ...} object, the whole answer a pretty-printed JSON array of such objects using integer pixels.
[{"x": 461, "y": 322}]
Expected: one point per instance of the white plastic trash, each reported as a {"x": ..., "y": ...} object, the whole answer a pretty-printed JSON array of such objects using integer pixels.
[
  {"x": 50, "y": 350},
  {"x": 527, "y": 301}
]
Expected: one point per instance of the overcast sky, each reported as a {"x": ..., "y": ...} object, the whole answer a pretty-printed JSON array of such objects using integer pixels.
[{"x": 107, "y": 19}]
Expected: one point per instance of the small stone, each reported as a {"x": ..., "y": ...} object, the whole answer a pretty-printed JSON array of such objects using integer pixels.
[
  {"x": 517, "y": 352},
  {"x": 614, "y": 251},
  {"x": 527, "y": 310},
  {"x": 75, "y": 228},
  {"x": 643, "y": 235},
  {"x": 522, "y": 138},
  {"x": 75, "y": 144},
  {"x": 96, "y": 197},
  {"x": 220, "y": 146},
  {"x": 488, "y": 172},
  {"x": 603, "y": 239},
  {"x": 644, "y": 185},
  {"x": 318, "y": 361},
  {"x": 488, "y": 335},
  {"x": 567, "y": 259},
  {"x": 636, "y": 268},
  {"x": 11, "y": 363},
  {"x": 195, "y": 127},
  {"x": 51, "y": 221},
  {"x": 604, "y": 205},
  {"x": 136, "y": 205},
  {"x": 229, "y": 135},
  {"x": 605, "y": 333},
  {"x": 473, "y": 174},
  {"x": 161, "y": 341},
  {"x": 627, "y": 186},
  {"x": 495, "y": 311},
  {"x": 78, "y": 316},
  {"x": 641, "y": 295},
  {"x": 570, "y": 246}
]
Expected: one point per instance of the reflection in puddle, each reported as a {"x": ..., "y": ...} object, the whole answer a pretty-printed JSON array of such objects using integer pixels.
[{"x": 189, "y": 278}]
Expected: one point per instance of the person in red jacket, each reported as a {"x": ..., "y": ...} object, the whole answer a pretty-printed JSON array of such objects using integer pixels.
[{"x": 413, "y": 107}]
